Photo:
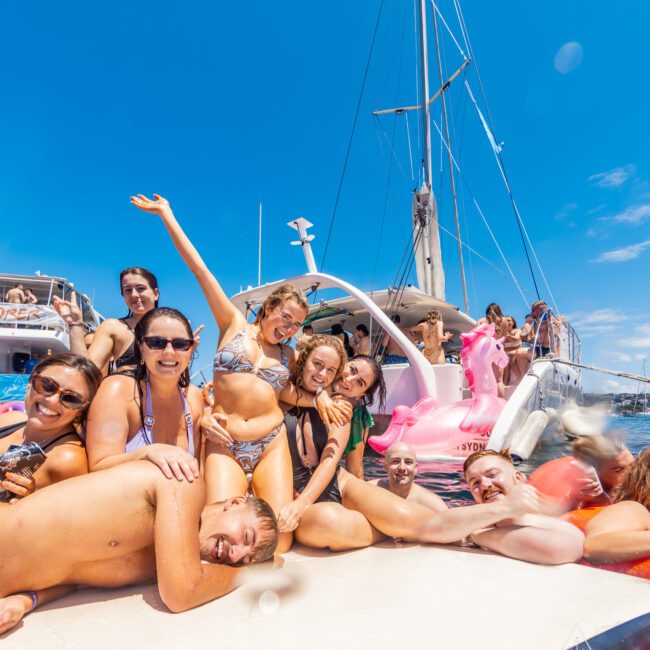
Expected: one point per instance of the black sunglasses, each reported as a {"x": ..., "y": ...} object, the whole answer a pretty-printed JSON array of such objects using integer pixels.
[
  {"x": 47, "y": 387},
  {"x": 160, "y": 343}
]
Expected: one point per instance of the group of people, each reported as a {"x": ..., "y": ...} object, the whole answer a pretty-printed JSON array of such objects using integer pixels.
[
  {"x": 151, "y": 485},
  {"x": 20, "y": 295}
]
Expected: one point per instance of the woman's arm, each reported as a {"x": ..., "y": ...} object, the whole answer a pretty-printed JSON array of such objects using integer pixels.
[
  {"x": 108, "y": 428},
  {"x": 354, "y": 459},
  {"x": 333, "y": 412},
  {"x": 620, "y": 533},
  {"x": 222, "y": 309},
  {"x": 290, "y": 515}
]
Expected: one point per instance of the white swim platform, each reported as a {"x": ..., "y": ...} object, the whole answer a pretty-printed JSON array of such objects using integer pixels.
[{"x": 389, "y": 596}]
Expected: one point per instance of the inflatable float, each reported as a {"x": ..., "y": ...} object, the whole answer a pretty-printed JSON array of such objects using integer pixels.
[
  {"x": 638, "y": 568},
  {"x": 459, "y": 429}
]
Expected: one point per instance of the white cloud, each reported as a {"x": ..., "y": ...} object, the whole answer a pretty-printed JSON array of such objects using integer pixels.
[
  {"x": 642, "y": 329},
  {"x": 614, "y": 177},
  {"x": 565, "y": 211},
  {"x": 597, "y": 316},
  {"x": 568, "y": 57},
  {"x": 624, "y": 254},
  {"x": 639, "y": 356},
  {"x": 633, "y": 214},
  {"x": 620, "y": 357},
  {"x": 635, "y": 342}
]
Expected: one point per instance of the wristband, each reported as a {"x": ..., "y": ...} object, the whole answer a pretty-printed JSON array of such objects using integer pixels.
[
  {"x": 34, "y": 596},
  {"x": 75, "y": 325}
]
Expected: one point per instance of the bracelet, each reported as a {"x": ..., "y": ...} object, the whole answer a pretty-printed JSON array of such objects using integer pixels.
[
  {"x": 34, "y": 596},
  {"x": 75, "y": 325}
]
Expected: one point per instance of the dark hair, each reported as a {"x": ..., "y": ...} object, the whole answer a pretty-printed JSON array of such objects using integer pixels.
[
  {"x": 85, "y": 367},
  {"x": 514, "y": 322},
  {"x": 396, "y": 318},
  {"x": 140, "y": 332},
  {"x": 433, "y": 316},
  {"x": 493, "y": 313},
  {"x": 308, "y": 326},
  {"x": 337, "y": 329},
  {"x": 362, "y": 328},
  {"x": 268, "y": 542},
  {"x": 377, "y": 386},
  {"x": 142, "y": 272}
]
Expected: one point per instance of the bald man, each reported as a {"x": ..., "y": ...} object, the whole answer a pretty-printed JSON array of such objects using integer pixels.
[{"x": 401, "y": 468}]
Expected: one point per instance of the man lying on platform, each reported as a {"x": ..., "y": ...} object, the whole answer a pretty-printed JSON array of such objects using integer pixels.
[
  {"x": 127, "y": 525},
  {"x": 535, "y": 538}
]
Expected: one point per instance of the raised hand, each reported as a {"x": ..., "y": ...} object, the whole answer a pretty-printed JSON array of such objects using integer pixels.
[
  {"x": 68, "y": 310},
  {"x": 158, "y": 205},
  {"x": 196, "y": 336}
]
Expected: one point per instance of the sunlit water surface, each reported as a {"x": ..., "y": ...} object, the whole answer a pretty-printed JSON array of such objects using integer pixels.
[{"x": 446, "y": 479}]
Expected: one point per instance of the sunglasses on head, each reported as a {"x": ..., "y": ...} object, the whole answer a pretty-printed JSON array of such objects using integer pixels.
[
  {"x": 47, "y": 387},
  {"x": 160, "y": 343}
]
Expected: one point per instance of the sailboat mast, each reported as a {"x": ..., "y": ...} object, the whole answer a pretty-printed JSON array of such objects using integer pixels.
[
  {"x": 428, "y": 256},
  {"x": 451, "y": 166}
]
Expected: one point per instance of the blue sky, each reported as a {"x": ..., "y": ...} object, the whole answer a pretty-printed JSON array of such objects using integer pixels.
[{"x": 219, "y": 106}]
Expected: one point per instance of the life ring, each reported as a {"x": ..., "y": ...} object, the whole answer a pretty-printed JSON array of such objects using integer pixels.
[
  {"x": 580, "y": 519},
  {"x": 558, "y": 479},
  {"x": 208, "y": 394},
  {"x": 5, "y": 407}
]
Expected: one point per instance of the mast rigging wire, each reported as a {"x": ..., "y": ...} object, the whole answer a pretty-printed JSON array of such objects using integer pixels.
[{"x": 354, "y": 125}]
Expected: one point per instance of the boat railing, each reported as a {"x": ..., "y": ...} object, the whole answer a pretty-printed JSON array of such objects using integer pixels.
[{"x": 563, "y": 340}]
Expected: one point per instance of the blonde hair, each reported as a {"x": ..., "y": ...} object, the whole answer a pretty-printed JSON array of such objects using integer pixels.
[
  {"x": 279, "y": 296},
  {"x": 314, "y": 342},
  {"x": 597, "y": 449},
  {"x": 635, "y": 485}
]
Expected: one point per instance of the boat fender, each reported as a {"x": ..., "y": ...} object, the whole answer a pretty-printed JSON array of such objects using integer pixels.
[
  {"x": 580, "y": 519},
  {"x": 5, "y": 407},
  {"x": 525, "y": 440}
]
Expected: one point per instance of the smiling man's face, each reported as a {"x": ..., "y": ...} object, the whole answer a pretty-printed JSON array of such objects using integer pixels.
[{"x": 491, "y": 478}]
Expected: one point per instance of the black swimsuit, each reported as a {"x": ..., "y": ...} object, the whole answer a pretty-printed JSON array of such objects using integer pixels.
[
  {"x": 302, "y": 474},
  {"x": 10, "y": 428},
  {"x": 127, "y": 358}
]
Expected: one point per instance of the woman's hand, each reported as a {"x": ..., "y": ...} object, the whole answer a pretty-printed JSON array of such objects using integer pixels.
[
  {"x": 159, "y": 205},
  {"x": 337, "y": 412},
  {"x": 68, "y": 310},
  {"x": 213, "y": 428},
  {"x": 173, "y": 461},
  {"x": 196, "y": 336},
  {"x": 290, "y": 516},
  {"x": 19, "y": 485},
  {"x": 12, "y": 609}
]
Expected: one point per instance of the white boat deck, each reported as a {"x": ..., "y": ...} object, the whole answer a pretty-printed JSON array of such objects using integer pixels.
[{"x": 389, "y": 596}]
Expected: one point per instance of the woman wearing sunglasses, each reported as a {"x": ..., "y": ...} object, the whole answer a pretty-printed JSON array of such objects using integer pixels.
[
  {"x": 154, "y": 415},
  {"x": 60, "y": 389}
]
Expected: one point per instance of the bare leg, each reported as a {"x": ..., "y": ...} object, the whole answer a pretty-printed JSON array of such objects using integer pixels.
[
  {"x": 273, "y": 480},
  {"x": 330, "y": 525},
  {"x": 224, "y": 477}
]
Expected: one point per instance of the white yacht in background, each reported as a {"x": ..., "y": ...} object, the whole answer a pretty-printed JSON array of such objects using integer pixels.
[{"x": 30, "y": 331}]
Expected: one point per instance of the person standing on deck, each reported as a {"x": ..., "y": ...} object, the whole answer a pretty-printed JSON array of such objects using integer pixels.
[{"x": 16, "y": 296}]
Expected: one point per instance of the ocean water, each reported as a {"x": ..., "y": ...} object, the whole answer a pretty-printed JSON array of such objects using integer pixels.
[{"x": 446, "y": 479}]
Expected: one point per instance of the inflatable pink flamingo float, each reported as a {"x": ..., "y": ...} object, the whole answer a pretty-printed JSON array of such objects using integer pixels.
[{"x": 463, "y": 427}]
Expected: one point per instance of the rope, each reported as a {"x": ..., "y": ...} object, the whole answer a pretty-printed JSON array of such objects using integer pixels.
[
  {"x": 616, "y": 373},
  {"x": 408, "y": 138},
  {"x": 444, "y": 22},
  {"x": 354, "y": 125}
]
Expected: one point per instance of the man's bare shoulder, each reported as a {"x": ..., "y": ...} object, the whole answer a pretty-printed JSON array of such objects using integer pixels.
[{"x": 427, "y": 498}]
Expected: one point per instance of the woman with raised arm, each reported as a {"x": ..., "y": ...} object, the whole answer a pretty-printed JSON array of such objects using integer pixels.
[
  {"x": 251, "y": 369},
  {"x": 155, "y": 414},
  {"x": 60, "y": 389},
  {"x": 112, "y": 347}
]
